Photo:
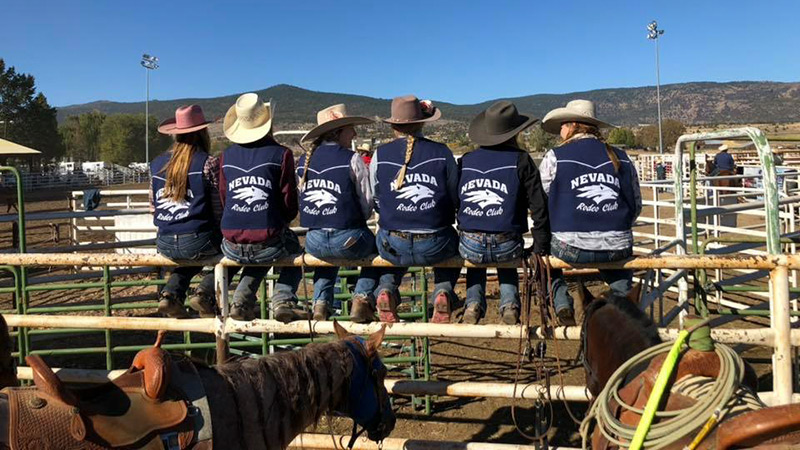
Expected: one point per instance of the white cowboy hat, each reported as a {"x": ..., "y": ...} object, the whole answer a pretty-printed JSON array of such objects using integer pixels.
[
  {"x": 248, "y": 120},
  {"x": 331, "y": 118},
  {"x": 576, "y": 111},
  {"x": 723, "y": 147}
]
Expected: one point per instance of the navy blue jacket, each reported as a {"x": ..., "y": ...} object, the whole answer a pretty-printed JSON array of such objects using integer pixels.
[
  {"x": 329, "y": 198},
  {"x": 423, "y": 201},
  {"x": 587, "y": 194},
  {"x": 489, "y": 192},
  {"x": 191, "y": 215},
  {"x": 251, "y": 189},
  {"x": 724, "y": 161}
]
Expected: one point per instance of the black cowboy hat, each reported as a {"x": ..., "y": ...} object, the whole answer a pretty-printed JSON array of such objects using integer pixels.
[{"x": 499, "y": 123}]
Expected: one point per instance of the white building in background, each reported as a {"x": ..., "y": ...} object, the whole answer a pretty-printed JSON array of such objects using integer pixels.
[
  {"x": 66, "y": 167},
  {"x": 141, "y": 167},
  {"x": 93, "y": 166}
]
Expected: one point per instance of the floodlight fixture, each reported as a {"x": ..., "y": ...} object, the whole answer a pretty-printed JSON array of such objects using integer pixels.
[
  {"x": 653, "y": 34},
  {"x": 149, "y": 62}
]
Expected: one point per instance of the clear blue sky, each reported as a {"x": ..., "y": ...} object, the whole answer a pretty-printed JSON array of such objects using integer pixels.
[{"x": 461, "y": 52}]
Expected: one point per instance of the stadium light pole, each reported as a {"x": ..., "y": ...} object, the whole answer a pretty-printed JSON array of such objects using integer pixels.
[
  {"x": 653, "y": 33},
  {"x": 149, "y": 63}
]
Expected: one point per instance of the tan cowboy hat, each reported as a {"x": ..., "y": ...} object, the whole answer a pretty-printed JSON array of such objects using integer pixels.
[
  {"x": 410, "y": 109},
  {"x": 187, "y": 120},
  {"x": 498, "y": 123},
  {"x": 248, "y": 120},
  {"x": 576, "y": 111},
  {"x": 332, "y": 118}
]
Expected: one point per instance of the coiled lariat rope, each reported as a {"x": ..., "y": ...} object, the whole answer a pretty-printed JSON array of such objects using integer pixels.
[{"x": 716, "y": 398}]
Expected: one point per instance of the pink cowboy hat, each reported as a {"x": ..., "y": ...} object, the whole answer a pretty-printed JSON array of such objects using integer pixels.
[{"x": 187, "y": 119}]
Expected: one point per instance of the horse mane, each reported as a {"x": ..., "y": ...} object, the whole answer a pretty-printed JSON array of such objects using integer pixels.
[
  {"x": 281, "y": 394},
  {"x": 631, "y": 311}
]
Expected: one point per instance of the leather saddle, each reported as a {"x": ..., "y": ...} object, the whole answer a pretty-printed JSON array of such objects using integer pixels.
[
  {"x": 138, "y": 409},
  {"x": 778, "y": 426}
]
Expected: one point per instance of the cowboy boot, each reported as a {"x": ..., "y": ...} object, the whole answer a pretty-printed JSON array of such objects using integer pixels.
[
  {"x": 441, "y": 308},
  {"x": 287, "y": 312},
  {"x": 203, "y": 303},
  {"x": 170, "y": 306},
  {"x": 387, "y": 306},
  {"x": 244, "y": 311},
  {"x": 472, "y": 314},
  {"x": 510, "y": 315},
  {"x": 321, "y": 311},
  {"x": 361, "y": 311}
]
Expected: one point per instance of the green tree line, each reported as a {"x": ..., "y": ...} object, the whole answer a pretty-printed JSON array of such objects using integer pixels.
[
  {"x": 26, "y": 116},
  {"x": 118, "y": 138}
]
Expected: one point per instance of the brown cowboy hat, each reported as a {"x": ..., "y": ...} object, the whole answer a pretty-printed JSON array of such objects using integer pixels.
[
  {"x": 409, "y": 109},
  {"x": 498, "y": 123},
  {"x": 332, "y": 118},
  {"x": 187, "y": 119}
]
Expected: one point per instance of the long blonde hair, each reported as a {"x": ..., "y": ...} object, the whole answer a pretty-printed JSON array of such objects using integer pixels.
[
  {"x": 585, "y": 128},
  {"x": 177, "y": 168},
  {"x": 407, "y": 131},
  {"x": 331, "y": 136}
]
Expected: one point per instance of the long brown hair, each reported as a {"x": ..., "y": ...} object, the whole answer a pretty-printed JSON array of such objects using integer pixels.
[
  {"x": 585, "y": 128},
  {"x": 177, "y": 168},
  {"x": 407, "y": 130}
]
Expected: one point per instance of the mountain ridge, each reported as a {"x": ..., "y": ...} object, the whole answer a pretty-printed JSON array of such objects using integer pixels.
[{"x": 703, "y": 102}]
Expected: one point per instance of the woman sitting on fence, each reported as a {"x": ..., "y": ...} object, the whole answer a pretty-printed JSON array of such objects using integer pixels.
[
  {"x": 498, "y": 184},
  {"x": 335, "y": 203},
  {"x": 184, "y": 197},
  {"x": 259, "y": 195},
  {"x": 593, "y": 198},
  {"x": 415, "y": 182}
]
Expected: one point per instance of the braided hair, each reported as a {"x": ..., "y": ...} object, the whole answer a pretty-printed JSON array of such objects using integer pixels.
[
  {"x": 331, "y": 136},
  {"x": 407, "y": 130}
]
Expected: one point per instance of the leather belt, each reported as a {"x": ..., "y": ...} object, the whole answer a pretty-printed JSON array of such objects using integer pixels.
[{"x": 406, "y": 235}]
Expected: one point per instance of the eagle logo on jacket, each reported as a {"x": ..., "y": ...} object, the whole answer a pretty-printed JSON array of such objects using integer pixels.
[
  {"x": 483, "y": 197},
  {"x": 414, "y": 192},
  {"x": 598, "y": 193},
  {"x": 250, "y": 194},
  {"x": 320, "y": 197}
]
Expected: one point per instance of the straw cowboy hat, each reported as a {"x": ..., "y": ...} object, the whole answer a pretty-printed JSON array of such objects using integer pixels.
[
  {"x": 409, "y": 109},
  {"x": 723, "y": 148},
  {"x": 499, "y": 123},
  {"x": 576, "y": 111},
  {"x": 187, "y": 119},
  {"x": 248, "y": 120},
  {"x": 332, "y": 118}
]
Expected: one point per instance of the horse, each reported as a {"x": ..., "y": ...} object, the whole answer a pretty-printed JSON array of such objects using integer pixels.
[
  {"x": 612, "y": 322},
  {"x": 711, "y": 171},
  {"x": 615, "y": 328},
  {"x": 166, "y": 401}
]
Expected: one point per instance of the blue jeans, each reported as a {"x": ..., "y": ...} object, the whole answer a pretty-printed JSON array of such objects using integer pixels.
[
  {"x": 353, "y": 243},
  {"x": 620, "y": 280},
  {"x": 188, "y": 247},
  {"x": 487, "y": 248},
  {"x": 265, "y": 253},
  {"x": 419, "y": 250}
]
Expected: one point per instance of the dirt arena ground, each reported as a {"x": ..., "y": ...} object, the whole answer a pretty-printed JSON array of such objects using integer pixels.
[{"x": 452, "y": 419}]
